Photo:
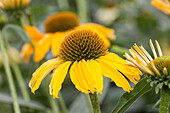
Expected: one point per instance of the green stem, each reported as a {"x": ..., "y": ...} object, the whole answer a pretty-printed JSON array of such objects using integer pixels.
[
  {"x": 63, "y": 4},
  {"x": 95, "y": 102},
  {"x": 165, "y": 100},
  {"x": 20, "y": 80},
  {"x": 53, "y": 103},
  {"x": 29, "y": 16},
  {"x": 20, "y": 22},
  {"x": 9, "y": 77},
  {"x": 82, "y": 6},
  {"x": 62, "y": 103},
  {"x": 89, "y": 103}
]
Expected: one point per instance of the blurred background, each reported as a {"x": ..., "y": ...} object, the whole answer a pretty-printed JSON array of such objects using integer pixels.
[{"x": 134, "y": 21}]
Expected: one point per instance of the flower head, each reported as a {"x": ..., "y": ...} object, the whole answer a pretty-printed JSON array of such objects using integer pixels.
[
  {"x": 57, "y": 27},
  {"x": 13, "y": 4},
  {"x": 163, "y": 5},
  {"x": 157, "y": 68},
  {"x": 84, "y": 54}
]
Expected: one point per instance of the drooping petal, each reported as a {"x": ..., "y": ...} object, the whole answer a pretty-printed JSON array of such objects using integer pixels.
[
  {"x": 77, "y": 79},
  {"x": 58, "y": 77},
  {"x": 110, "y": 71},
  {"x": 26, "y": 52},
  {"x": 56, "y": 41},
  {"x": 96, "y": 74},
  {"x": 42, "y": 47},
  {"x": 33, "y": 32},
  {"x": 41, "y": 73},
  {"x": 132, "y": 73},
  {"x": 84, "y": 71}
]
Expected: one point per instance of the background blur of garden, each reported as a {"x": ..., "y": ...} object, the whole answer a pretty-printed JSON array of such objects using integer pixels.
[{"x": 134, "y": 21}]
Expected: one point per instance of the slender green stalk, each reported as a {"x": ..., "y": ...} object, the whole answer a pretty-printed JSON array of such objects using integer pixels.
[
  {"x": 89, "y": 103},
  {"x": 29, "y": 16},
  {"x": 20, "y": 22},
  {"x": 20, "y": 80},
  {"x": 165, "y": 100},
  {"x": 63, "y": 4},
  {"x": 53, "y": 103},
  {"x": 82, "y": 6},
  {"x": 62, "y": 103},
  {"x": 9, "y": 77},
  {"x": 95, "y": 102}
]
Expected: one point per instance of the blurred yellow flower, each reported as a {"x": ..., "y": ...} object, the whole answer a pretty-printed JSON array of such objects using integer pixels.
[
  {"x": 57, "y": 27},
  {"x": 13, "y": 4},
  {"x": 85, "y": 55},
  {"x": 163, "y": 5}
]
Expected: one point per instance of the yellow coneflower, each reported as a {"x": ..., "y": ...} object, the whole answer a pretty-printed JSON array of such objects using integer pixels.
[
  {"x": 57, "y": 27},
  {"x": 13, "y": 4},
  {"x": 85, "y": 55},
  {"x": 158, "y": 68},
  {"x": 163, "y": 5}
]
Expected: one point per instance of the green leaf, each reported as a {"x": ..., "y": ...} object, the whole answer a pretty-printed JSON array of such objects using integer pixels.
[
  {"x": 4, "y": 98},
  {"x": 127, "y": 99},
  {"x": 14, "y": 34}
]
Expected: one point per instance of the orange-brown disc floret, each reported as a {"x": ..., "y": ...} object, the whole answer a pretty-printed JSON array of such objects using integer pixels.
[
  {"x": 82, "y": 44},
  {"x": 61, "y": 22}
]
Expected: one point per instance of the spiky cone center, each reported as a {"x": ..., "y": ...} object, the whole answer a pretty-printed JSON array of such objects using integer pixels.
[
  {"x": 162, "y": 77},
  {"x": 61, "y": 22},
  {"x": 82, "y": 44}
]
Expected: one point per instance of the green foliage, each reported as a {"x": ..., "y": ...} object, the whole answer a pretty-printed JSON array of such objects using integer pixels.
[
  {"x": 16, "y": 31},
  {"x": 127, "y": 99}
]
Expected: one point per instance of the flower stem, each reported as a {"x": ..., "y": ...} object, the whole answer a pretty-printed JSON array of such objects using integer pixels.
[
  {"x": 62, "y": 103},
  {"x": 20, "y": 80},
  {"x": 165, "y": 100},
  {"x": 9, "y": 76},
  {"x": 82, "y": 6},
  {"x": 89, "y": 103},
  {"x": 53, "y": 104},
  {"x": 20, "y": 22},
  {"x": 63, "y": 4},
  {"x": 95, "y": 102},
  {"x": 29, "y": 16}
]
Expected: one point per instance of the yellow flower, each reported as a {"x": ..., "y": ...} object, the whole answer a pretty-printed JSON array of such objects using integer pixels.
[
  {"x": 57, "y": 27},
  {"x": 163, "y": 5},
  {"x": 13, "y": 4},
  {"x": 85, "y": 55},
  {"x": 158, "y": 68}
]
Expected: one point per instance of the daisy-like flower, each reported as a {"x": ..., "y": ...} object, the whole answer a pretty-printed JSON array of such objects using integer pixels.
[
  {"x": 163, "y": 5},
  {"x": 157, "y": 68},
  {"x": 85, "y": 55},
  {"x": 13, "y": 4},
  {"x": 57, "y": 27}
]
